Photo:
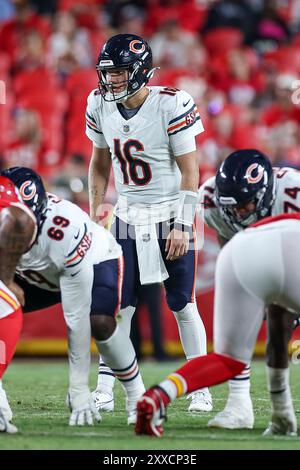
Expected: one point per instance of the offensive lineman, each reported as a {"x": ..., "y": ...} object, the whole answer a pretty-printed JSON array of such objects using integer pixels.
[
  {"x": 148, "y": 135},
  {"x": 18, "y": 229},
  {"x": 246, "y": 188},
  {"x": 257, "y": 266},
  {"x": 78, "y": 262}
]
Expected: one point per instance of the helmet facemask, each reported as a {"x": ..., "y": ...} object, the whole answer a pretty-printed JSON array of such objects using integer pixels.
[
  {"x": 262, "y": 200},
  {"x": 137, "y": 77}
]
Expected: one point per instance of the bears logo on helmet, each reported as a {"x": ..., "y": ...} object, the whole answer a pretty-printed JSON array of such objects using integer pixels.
[{"x": 28, "y": 190}]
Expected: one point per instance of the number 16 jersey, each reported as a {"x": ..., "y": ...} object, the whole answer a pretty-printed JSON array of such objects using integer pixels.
[{"x": 143, "y": 148}]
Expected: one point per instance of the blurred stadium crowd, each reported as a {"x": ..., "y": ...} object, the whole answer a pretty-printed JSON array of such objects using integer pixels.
[{"x": 239, "y": 59}]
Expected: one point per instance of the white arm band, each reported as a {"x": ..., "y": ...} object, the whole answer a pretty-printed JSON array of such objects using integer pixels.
[{"x": 187, "y": 207}]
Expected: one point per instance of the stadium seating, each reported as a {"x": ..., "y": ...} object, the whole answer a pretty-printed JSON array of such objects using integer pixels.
[{"x": 222, "y": 39}]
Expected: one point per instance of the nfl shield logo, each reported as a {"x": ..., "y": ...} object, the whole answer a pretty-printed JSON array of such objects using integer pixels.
[{"x": 126, "y": 128}]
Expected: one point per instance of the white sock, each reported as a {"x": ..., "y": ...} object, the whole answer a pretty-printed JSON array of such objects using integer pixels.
[
  {"x": 191, "y": 331},
  {"x": 239, "y": 386},
  {"x": 170, "y": 387},
  {"x": 125, "y": 317},
  {"x": 4, "y": 404},
  {"x": 106, "y": 377},
  {"x": 118, "y": 353},
  {"x": 279, "y": 388}
]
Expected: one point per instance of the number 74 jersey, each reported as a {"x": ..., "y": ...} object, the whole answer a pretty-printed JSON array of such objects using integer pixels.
[
  {"x": 143, "y": 147},
  {"x": 287, "y": 199}
]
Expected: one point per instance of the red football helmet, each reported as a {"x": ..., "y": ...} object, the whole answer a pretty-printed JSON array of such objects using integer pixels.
[{"x": 8, "y": 192}]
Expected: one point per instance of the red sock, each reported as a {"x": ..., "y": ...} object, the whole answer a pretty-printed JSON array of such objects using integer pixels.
[
  {"x": 209, "y": 370},
  {"x": 10, "y": 329}
]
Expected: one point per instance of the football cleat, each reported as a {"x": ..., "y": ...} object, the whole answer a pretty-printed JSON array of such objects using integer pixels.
[
  {"x": 131, "y": 411},
  {"x": 151, "y": 412},
  {"x": 104, "y": 401},
  {"x": 6, "y": 426},
  {"x": 131, "y": 417},
  {"x": 201, "y": 400},
  {"x": 236, "y": 415},
  {"x": 282, "y": 424}
]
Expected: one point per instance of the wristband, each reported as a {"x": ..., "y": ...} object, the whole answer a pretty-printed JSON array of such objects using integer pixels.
[{"x": 187, "y": 208}]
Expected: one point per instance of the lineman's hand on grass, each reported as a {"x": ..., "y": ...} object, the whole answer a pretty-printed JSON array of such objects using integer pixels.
[{"x": 83, "y": 410}]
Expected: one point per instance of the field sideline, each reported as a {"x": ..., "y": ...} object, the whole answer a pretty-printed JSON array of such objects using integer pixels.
[{"x": 37, "y": 390}]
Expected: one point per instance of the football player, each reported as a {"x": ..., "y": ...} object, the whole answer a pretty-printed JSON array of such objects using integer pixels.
[
  {"x": 79, "y": 263},
  {"x": 147, "y": 134},
  {"x": 245, "y": 189},
  {"x": 18, "y": 229},
  {"x": 258, "y": 266}
]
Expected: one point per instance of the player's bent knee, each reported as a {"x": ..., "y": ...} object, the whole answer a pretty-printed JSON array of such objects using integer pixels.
[
  {"x": 177, "y": 302},
  {"x": 232, "y": 365},
  {"x": 102, "y": 327}
]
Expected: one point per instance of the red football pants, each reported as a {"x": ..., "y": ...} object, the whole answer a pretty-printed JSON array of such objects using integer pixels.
[{"x": 10, "y": 329}]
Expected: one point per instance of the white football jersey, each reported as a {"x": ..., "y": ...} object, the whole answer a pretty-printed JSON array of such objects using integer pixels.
[
  {"x": 69, "y": 241},
  {"x": 143, "y": 147},
  {"x": 63, "y": 258},
  {"x": 287, "y": 200}
]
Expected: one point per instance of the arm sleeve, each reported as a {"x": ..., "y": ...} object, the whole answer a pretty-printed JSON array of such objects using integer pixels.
[
  {"x": 76, "y": 288},
  {"x": 76, "y": 283},
  {"x": 184, "y": 124},
  {"x": 209, "y": 211},
  {"x": 93, "y": 126}
]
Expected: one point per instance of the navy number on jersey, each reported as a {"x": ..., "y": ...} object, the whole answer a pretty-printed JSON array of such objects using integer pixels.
[
  {"x": 56, "y": 233},
  {"x": 169, "y": 91},
  {"x": 138, "y": 170}
]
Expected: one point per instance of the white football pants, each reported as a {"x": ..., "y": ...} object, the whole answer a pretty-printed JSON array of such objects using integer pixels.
[{"x": 256, "y": 267}]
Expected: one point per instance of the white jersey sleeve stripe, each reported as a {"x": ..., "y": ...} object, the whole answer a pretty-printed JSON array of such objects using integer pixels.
[
  {"x": 92, "y": 127},
  {"x": 88, "y": 116},
  {"x": 182, "y": 115},
  {"x": 183, "y": 125},
  {"x": 95, "y": 130},
  {"x": 78, "y": 253}
]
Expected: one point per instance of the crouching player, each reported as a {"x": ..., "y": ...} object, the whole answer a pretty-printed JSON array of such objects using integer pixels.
[
  {"x": 77, "y": 262},
  {"x": 256, "y": 267},
  {"x": 246, "y": 189},
  {"x": 17, "y": 231}
]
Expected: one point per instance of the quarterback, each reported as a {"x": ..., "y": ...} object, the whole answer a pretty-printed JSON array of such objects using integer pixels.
[
  {"x": 147, "y": 134},
  {"x": 78, "y": 263}
]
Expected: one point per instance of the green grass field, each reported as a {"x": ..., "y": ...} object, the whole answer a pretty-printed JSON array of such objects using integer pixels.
[{"x": 37, "y": 390}]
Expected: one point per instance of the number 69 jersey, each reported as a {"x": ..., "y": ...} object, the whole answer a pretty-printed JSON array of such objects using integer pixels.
[
  {"x": 143, "y": 147},
  {"x": 67, "y": 247},
  {"x": 287, "y": 199},
  {"x": 63, "y": 258}
]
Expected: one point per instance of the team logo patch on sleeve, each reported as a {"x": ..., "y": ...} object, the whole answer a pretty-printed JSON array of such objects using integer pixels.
[{"x": 184, "y": 121}]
